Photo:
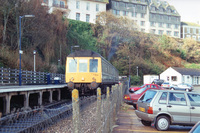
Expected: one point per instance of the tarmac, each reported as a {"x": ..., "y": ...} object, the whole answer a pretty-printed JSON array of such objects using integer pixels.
[{"x": 128, "y": 122}]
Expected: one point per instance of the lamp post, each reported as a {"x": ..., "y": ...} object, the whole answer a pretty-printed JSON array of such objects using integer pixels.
[
  {"x": 20, "y": 51},
  {"x": 75, "y": 46},
  {"x": 129, "y": 71},
  {"x": 137, "y": 71},
  {"x": 34, "y": 53}
]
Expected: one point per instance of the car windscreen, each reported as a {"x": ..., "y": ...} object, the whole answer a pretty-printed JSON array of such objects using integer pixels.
[
  {"x": 148, "y": 96},
  {"x": 140, "y": 90}
]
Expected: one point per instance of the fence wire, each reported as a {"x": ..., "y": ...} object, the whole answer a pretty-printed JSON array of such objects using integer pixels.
[{"x": 94, "y": 116}]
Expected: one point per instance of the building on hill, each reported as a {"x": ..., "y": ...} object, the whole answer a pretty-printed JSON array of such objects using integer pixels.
[
  {"x": 86, "y": 10},
  {"x": 151, "y": 16},
  {"x": 56, "y": 5},
  {"x": 190, "y": 30},
  {"x": 176, "y": 75}
]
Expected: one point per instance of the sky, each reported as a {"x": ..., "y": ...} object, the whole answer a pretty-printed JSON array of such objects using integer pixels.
[{"x": 188, "y": 9}]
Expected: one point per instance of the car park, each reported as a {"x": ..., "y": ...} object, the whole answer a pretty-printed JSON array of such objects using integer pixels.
[
  {"x": 162, "y": 108},
  {"x": 195, "y": 128},
  {"x": 165, "y": 85},
  {"x": 133, "y": 97},
  {"x": 182, "y": 86}
]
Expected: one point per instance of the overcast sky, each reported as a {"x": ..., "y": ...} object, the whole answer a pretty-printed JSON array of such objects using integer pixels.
[{"x": 188, "y": 9}]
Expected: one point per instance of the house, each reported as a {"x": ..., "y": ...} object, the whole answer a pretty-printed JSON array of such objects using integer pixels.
[
  {"x": 151, "y": 16},
  {"x": 190, "y": 30},
  {"x": 86, "y": 10},
  {"x": 176, "y": 75}
]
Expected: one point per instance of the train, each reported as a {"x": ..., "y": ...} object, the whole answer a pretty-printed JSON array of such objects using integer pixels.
[{"x": 87, "y": 70}]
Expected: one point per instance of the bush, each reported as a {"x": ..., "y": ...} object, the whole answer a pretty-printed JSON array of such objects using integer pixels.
[{"x": 136, "y": 80}]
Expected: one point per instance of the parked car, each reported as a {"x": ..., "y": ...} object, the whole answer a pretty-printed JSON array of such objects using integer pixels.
[
  {"x": 162, "y": 108},
  {"x": 196, "y": 128},
  {"x": 165, "y": 85},
  {"x": 133, "y": 89},
  {"x": 158, "y": 81},
  {"x": 182, "y": 86},
  {"x": 133, "y": 97}
]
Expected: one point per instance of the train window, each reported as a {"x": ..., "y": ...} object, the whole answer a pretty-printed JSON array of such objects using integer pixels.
[
  {"x": 93, "y": 65},
  {"x": 83, "y": 65},
  {"x": 72, "y": 65}
]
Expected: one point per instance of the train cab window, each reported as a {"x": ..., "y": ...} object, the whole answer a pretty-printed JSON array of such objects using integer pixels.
[
  {"x": 93, "y": 65},
  {"x": 83, "y": 65},
  {"x": 72, "y": 65}
]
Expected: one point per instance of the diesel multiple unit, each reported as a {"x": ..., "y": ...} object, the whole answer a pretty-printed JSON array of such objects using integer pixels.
[{"x": 87, "y": 70}]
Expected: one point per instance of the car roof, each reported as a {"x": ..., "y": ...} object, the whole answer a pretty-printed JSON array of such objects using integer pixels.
[{"x": 166, "y": 90}]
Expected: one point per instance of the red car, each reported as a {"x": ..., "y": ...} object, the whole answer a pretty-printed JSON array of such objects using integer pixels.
[
  {"x": 133, "y": 89},
  {"x": 133, "y": 97}
]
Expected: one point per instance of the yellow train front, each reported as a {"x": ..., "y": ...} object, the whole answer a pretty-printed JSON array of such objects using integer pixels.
[{"x": 87, "y": 70}]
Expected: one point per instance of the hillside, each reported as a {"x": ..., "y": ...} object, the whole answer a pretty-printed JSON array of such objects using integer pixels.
[{"x": 115, "y": 38}]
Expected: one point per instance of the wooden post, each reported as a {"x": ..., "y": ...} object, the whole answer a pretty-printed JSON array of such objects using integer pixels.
[
  {"x": 98, "y": 109},
  {"x": 76, "y": 111}
]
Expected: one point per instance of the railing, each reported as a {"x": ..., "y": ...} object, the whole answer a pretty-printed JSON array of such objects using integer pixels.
[{"x": 11, "y": 77}]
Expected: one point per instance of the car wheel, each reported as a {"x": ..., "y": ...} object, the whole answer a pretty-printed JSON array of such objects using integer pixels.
[
  {"x": 134, "y": 105},
  {"x": 146, "y": 123},
  {"x": 162, "y": 123},
  {"x": 187, "y": 90},
  {"x": 172, "y": 89}
]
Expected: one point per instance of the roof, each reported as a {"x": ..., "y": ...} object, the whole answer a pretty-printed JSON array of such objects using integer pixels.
[
  {"x": 105, "y": 1},
  {"x": 190, "y": 24},
  {"x": 84, "y": 53},
  {"x": 187, "y": 71}
]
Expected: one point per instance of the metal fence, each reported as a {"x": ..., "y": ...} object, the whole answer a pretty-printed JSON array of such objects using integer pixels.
[
  {"x": 94, "y": 114},
  {"x": 11, "y": 77}
]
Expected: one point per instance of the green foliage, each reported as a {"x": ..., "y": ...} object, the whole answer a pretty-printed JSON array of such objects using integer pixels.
[
  {"x": 61, "y": 69},
  {"x": 136, "y": 80},
  {"x": 81, "y": 33},
  {"x": 192, "y": 65}
]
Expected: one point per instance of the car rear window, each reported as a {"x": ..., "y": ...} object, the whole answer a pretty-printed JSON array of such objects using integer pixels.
[{"x": 148, "y": 96}]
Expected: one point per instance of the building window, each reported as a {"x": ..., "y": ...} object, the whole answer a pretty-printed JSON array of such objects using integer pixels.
[
  {"x": 174, "y": 78},
  {"x": 55, "y": 2},
  {"x": 88, "y": 6},
  {"x": 177, "y": 19},
  {"x": 194, "y": 31},
  {"x": 126, "y": 5},
  {"x": 116, "y": 4},
  {"x": 168, "y": 18},
  {"x": 118, "y": 12},
  {"x": 152, "y": 24},
  {"x": 62, "y": 4},
  {"x": 142, "y": 15},
  {"x": 161, "y": 9},
  {"x": 161, "y": 17},
  {"x": 125, "y": 13},
  {"x": 77, "y": 16},
  {"x": 77, "y": 4},
  {"x": 188, "y": 36},
  {"x": 198, "y": 38},
  {"x": 168, "y": 25},
  {"x": 161, "y": 24},
  {"x": 188, "y": 30},
  {"x": 194, "y": 37},
  {"x": 97, "y": 7},
  {"x": 114, "y": 12},
  {"x": 87, "y": 17},
  {"x": 176, "y": 26},
  {"x": 153, "y": 8},
  {"x": 142, "y": 23},
  {"x": 160, "y": 32},
  {"x": 176, "y": 33},
  {"x": 134, "y": 14},
  {"x": 169, "y": 33},
  {"x": 143, "y": 7}
]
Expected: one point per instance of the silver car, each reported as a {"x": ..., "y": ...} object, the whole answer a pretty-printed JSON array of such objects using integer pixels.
[
  {"x": 162, "y": 108},
  {"x": 182, "y": 86}
]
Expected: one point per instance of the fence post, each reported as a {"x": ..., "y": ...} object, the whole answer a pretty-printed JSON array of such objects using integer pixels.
[
  {"x": 98, "y": 109},
  {"x": 108, "y": 111},
  {"x": 76, "y": 111},
  {"x": 2, "y": 75}
]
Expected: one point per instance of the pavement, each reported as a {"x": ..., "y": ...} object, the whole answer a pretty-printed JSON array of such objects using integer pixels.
[{"x": 127, "y": 122}]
